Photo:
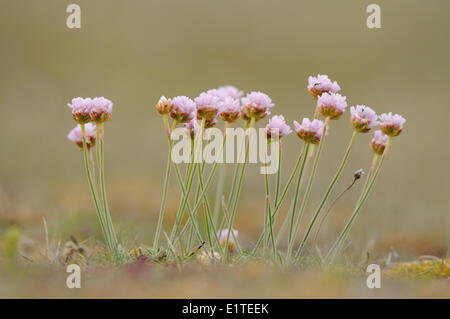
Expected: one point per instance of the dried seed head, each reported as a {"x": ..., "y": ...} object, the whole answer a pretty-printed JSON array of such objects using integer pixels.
[{"x": 358, "y": 174}]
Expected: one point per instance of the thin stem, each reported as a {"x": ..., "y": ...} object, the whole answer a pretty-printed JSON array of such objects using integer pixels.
[
  {"x": 295, "y": 200},
  {"x": 113, "y": 234},
  {"x": 236, "y": 170},
  {"x": 163, "y": 201},
  {"x": 238, "y": 192},
  {"x": 277, "y": 189},
  {"x": 283, "y": 194},
  {"x": 93, "y": 191},
  {"x": 327, "y": 194},
  {"x": 338, "y": 243},
  {"x": 268, "y": 210}
]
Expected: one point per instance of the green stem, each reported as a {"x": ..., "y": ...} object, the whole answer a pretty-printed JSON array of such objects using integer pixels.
[
  {"x": 294, "y": 204},
  {"x": 238, "y": 192},
  {"x": 109, "y": 222},
  {"x": 338, "y": 243},
  {"x": 163, "y": 201},
  {"x": 327, "y": 194},
  {"x": 283, "y": 194},
  {"x": 94, "y": 192}
]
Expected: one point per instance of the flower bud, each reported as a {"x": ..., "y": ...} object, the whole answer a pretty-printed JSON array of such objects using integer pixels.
[
  {"x": 164, "y": 106},
  {"x": 378, "y": 143},
  {"x": 231, "y": 242},
  {"x": 309, "y": 131},
  {"x": 391, "y": 125}
]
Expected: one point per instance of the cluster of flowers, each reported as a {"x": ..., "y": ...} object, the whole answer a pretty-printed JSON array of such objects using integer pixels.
[
  {"x": 91, "y": 114},
  {"x": 229, "y": 104}
]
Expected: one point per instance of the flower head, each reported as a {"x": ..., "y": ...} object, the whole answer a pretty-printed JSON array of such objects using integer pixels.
[
  {"x": 192, "y": 127},
  {"x": 76, "y": 135},
  {"x": 309, "y": 131},
  {"x": 184, "y": 109},
  {"x": 81, "y": 108},
  {"x": 223, "y": 239},
  {"x": 224, "y": 92},
  {"x": 164, "y": 106},
  {"x": 277, "y": 127},
  {"x": 230, "y": 91},
  {"x": 391, "y": 125},
  {"x": 257, "y": 105},
  {"x": 207, "y": 106},
  {"x": 321, "y": 84},
  {"x": 378, "y": 143},
  {"x": 100, "y": 110},
  {"x": 332, "y": 105},
  {"x": 363, "y": 118},
  {"x": 230, "y": 110}
]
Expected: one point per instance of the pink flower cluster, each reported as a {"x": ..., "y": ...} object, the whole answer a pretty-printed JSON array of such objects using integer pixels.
[
  {"x": 363, "y": 118},
  {"x": 379, "y": 142},
  {"x": 391, "y": 125},
  {"x": 331, "y": 105},
  {"x": 256, "y": 105},
  {"x": 309, "y": 131},
  {"x": 76, "y": 135},
  {"x": 321, "y": 84},
  {"x": 277, "y": 127},
  {"x": 86, "y": 110}
]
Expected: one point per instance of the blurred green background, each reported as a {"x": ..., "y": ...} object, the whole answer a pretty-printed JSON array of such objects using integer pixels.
[{"x": 135, "y": 51}]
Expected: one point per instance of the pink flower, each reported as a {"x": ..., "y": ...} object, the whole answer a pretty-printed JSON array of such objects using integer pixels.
[
  {"x": 309, "y": 131},
  {"x": 184, "y": 109},
  {"x": 230, "y": 91},
  {"x": 230, "y": 110},
  {"x": 164, "y": 106},
  {"x": 225, "y": 92},
  {"x": 257, "y": 105},
  {"x": 100, "y": 110},
  {"x": 223, "y": 239},
  {"x": 378, "y": 143},
  {"x": 192, "y": 127},
  {"x": 363, "y": 118},
  {"x": 321, "y": 84},
  {"x": 277, "y": 127},
  {"x": 332, "y": 105},
  {"x": 391, "y": 125},
  {"x": 207, "y": 106},
  {"x": 80, "y": 109},
  {"x": 76, "y": 135}
]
